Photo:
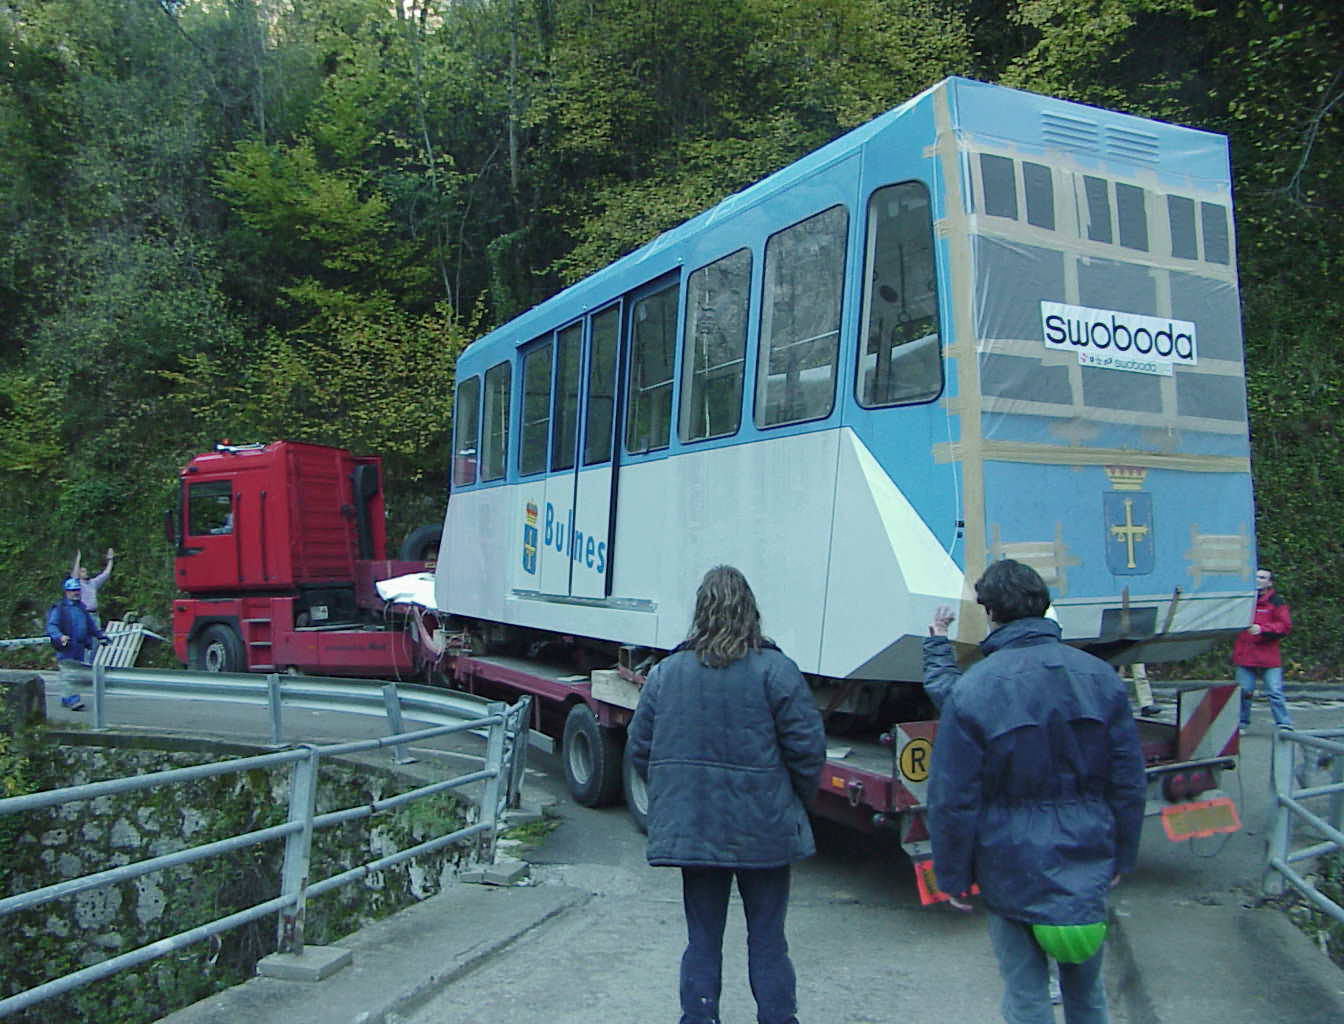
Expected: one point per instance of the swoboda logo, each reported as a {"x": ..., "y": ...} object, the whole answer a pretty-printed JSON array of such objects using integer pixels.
[{"x": 1119, "y": 341}]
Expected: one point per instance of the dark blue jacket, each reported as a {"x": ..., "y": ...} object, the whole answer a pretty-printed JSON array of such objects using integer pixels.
[
  {"x": 1037, "y": 788},
  {"x": 72, "y": 619},
  {"x": 731, "y": 756}
]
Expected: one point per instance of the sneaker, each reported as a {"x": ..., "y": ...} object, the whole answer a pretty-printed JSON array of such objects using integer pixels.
[
  {"x": 73, "y": 703},
  {"x": 1151, "y": 711}
]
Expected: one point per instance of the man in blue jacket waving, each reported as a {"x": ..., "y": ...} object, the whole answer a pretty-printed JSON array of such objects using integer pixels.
[
  {"x": 1036, "y": 794},
  {"x": 73, "y": 633}
]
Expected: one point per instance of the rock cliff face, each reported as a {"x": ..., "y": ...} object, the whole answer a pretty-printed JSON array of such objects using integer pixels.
[{"x": 82, "y": 837}]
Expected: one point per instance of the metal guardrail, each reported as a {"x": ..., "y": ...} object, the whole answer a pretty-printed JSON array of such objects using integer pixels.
[
  {"x": 278, "y": 691},
  {"x": 112, "y": 629},
  {"x": 504, "y": 728},
  {"x": 1298, "y": 763}
]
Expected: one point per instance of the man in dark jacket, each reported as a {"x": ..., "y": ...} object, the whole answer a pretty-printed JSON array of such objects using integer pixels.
[
  {"x": 730, "y": 740},
  {"x": 1036, "y": 792},
  {"x": 1256, "y": 654},
  {"x": 73, "y": 634}
]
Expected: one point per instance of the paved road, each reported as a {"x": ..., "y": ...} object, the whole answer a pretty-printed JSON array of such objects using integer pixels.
[{"x": 596, "y": 934}]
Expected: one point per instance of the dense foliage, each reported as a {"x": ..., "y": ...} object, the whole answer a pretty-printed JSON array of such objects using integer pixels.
[{"x": 248, "y": 219}]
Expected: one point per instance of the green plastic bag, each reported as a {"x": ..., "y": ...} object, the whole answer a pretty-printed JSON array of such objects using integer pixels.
[{"x": 1070, "y": 943}]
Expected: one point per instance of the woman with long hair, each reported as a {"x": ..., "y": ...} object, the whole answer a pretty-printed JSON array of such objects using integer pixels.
[{"x": 730, "y": 741}]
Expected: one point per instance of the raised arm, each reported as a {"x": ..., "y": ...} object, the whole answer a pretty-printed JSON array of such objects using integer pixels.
[
  {"x": 101, "y": 578},
  {"x": 940, "y": 664}
]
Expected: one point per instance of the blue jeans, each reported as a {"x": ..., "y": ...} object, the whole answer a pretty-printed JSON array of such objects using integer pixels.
[
  {"x": 765, "y": 900},
  {"x": 1273, "y": 677},
  {"x": 1023, "y": 967},
  {"x": 68, "y": 669}
]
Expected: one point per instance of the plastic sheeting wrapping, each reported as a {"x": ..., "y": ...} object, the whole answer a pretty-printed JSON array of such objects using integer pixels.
[{"x": 1103, "y": 431}]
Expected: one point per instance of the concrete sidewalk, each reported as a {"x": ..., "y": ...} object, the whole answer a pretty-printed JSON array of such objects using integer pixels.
[
  {"x": 398, "y": 963},
  {"x": 589, "y": 944},
  {"x": 593, "y": 944}
]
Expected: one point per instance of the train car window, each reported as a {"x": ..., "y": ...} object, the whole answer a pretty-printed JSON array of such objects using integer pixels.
[
  {"x": 901, "y": 362},
  {"x": 536, "y": 410},
  {"x": 1181, "y": 215},
  {"x": 466, "y": 425},
  {"x": 495, "y": 436},
  {"x": 1098, "y": 208},
  {"x": 1213, "y": 218},
  {"x": 714, "y": 346},
  {"x": 1000, "y": 184},
  {"x": 1040, "y": 192},
  {"x": 653, "y": 345},
  {"x": 800, "y": 319},
  {"x": 565, "y": 427},
  {"x": 601, "y": 386},
  {"x": 1131, "y": 214}
]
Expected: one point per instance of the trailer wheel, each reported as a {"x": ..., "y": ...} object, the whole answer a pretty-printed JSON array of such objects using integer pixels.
[
  {"x": 422, "y": 543},
  {"x": 592, "y": 758},
  {"x": 218, "y": 650},
  {"x": 636, "y": 793}
]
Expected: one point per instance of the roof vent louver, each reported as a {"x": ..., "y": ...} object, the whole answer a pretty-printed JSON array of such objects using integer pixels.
[
  {"x": 1070, "y": 133},
  {"x": 1125, "y": 144}
]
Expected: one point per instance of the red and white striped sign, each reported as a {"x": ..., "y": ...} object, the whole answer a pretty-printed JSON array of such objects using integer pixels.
[{"x": 1208, "y": 720}]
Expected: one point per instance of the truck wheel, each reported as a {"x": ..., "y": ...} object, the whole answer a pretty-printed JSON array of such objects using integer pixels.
[
  {"x": 218, "y": 650},
  {"x": 636, "y": 793},
  {"x": 592, "y": 758},
  {"x": 422, "y": 543}
]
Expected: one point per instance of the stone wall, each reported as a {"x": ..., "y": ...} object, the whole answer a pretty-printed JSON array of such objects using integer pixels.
[{"x": 80, "y": 838}]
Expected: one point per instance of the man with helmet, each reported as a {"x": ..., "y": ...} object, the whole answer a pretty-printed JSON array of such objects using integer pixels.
[{"x": 73, "y": 633}]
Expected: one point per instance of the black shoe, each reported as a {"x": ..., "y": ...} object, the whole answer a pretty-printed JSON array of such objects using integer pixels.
[{"x": 1151, "y": 710}]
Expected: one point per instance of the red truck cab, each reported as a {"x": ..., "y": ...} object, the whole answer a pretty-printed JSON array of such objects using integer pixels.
[{"x": 278, "y": 548}]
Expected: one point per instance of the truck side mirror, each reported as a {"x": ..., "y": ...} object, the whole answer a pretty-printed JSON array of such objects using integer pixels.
[{"x": 365, "y": 482}]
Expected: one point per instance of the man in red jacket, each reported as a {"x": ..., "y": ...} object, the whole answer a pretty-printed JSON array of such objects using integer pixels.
[{"x": 1256, "y": 655}]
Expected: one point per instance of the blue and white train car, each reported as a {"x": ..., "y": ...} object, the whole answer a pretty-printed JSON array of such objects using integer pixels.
[{"x": 986, "y": 324}]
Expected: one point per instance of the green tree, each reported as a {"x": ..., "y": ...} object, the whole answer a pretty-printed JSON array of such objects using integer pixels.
[{"x": 657, "y": 111}]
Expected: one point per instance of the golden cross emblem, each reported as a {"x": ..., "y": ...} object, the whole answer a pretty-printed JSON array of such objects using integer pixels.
[{"x": 1129, "y": 531}]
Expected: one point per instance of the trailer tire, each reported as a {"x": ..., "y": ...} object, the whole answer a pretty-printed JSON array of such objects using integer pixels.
[
  {"x": 636, "y": 793},
  {"x": 218, "y": 649},
  {"x": 592, "y": 758},
  {"x": 422, "y": 543}
]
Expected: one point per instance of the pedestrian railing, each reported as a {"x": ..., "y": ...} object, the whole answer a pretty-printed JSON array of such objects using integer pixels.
[
  {"x": 504, "y": 728},
  {"x": 1307, "y": 774}
]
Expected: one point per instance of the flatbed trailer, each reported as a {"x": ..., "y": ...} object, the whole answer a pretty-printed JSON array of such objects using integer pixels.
[{"x": 868, "y": 783}]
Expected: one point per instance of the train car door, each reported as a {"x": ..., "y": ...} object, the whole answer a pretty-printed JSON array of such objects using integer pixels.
[
  {"x": 595, "y": 473},
  {"x": 577, "y": 515},
  {"x": 557, "y": 512}
]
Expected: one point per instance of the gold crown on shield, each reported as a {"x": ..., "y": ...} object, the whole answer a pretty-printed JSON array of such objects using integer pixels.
[{"x": 1126, "y": 478}]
